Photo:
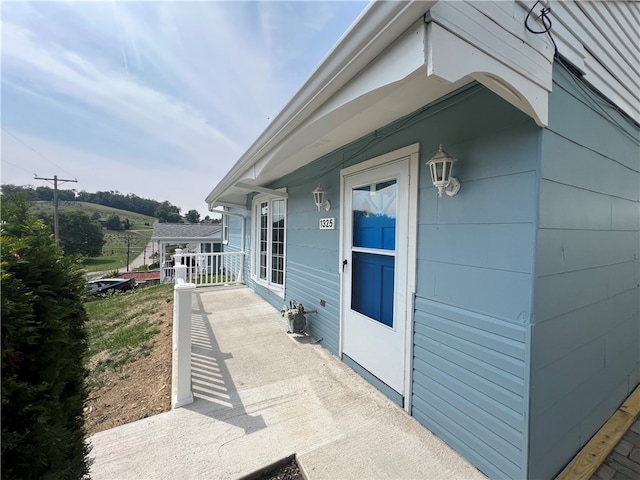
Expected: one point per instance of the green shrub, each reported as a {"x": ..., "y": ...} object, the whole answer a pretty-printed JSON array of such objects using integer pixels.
[{"x": 44, "y": 342}]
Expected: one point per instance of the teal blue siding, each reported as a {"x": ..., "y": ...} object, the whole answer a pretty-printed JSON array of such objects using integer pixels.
[
  {"x": 309, "y": 286},
  {"x": 526, "y": 324},
  {"x": 585, "y": 351},
  {"x": 469, "y": 385},
  {"x": 475, "y": 258},
  {"x": 312, "y": 274},
  {"x": 235, "y": 232},
  {"x": 473, "y": 303}
]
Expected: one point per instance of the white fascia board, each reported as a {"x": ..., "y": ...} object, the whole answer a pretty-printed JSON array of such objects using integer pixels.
[{"x": 376, "y": 27}]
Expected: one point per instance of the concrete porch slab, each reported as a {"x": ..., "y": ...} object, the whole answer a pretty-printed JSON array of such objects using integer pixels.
[{"x": 261, "y": 395}]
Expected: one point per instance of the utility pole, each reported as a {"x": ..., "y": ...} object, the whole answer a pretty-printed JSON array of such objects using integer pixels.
[
  {"x": 55, "y": 180},
  {"x": 128, "y": 237}
]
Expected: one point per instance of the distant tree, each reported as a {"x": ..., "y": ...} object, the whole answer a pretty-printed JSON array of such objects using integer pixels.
[
  {"x": 96, "y": 216},
  {"x": 114, "y": 222},
  {"x": 79, "y": 234},
  {"x": 44, "y": 194},
  {"x": 44, "y": 343},
  {"x": 167, "y": 213},
  {"x": 192, "y": 216},
  {"x": 112, "y": 198},
  {"x": 66, "y": 195},
  {"x": 125, "y": 224},
  {"x": 8, "y": 189}
]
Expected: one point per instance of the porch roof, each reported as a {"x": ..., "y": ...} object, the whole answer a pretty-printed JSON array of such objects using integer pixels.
[
  {"x": 395, "y": 58},
  {"x": 186, "y": 232}
]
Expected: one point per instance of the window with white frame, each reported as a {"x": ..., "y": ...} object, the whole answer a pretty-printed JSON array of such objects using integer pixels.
[{"x": 269, "y": 227}]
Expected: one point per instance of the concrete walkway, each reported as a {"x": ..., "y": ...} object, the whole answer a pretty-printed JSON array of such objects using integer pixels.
[{"x": 262, "y": 395}]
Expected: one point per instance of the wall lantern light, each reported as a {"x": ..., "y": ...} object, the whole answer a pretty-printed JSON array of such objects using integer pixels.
[
  {"x": 318, "y": 198},
  {"x": 440, "y": 166}
]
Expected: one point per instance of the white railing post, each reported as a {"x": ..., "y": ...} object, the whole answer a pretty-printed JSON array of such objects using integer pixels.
[
  {"x": 180, "y": 272},
  {"x": 181, "y": 393}
]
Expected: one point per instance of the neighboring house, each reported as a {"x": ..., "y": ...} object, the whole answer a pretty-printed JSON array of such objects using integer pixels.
[
  {"x": 505, "y": 319},
  {"x": 191, "y": 237}
]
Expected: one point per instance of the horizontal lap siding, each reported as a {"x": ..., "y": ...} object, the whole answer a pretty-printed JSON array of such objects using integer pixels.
[
  {"x": 312, "y": 275},
  {"x": 586, "y": 334},
  {"x": 473, "y": 302},
  {"x": 309, "y": 286},
  {"x": 469, "y": 384}
]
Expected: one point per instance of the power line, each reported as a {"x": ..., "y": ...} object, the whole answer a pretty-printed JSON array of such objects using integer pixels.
[
  {"x": 16, "y": 166},
  {"x": 55, "y": 181},
  {"x": 34, "y": 150}
]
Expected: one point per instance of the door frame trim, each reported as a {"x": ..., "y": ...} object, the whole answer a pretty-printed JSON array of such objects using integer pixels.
[{"x": 413, "y": 152}]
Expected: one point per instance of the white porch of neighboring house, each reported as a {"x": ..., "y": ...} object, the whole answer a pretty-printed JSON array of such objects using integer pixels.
[
  {"x": 200, "y": 245},
  {"x": 197, "y": 247}
]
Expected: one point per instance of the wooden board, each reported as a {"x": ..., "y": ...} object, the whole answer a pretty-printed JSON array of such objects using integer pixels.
[{"x": 595, "y": 452}]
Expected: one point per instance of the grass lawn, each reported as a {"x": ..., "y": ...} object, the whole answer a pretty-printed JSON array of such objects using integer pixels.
[
  {"x": 114, "y": 251},
  {"x": 122, "y": 327},
  {"x": 129, "y": 356}
]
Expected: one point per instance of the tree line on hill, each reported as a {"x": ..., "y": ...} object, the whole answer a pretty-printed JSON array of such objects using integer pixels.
[{"x": 163, "y": 211}]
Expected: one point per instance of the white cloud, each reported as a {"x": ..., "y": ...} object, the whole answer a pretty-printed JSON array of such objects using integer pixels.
[{"x": 134, "y": 96}]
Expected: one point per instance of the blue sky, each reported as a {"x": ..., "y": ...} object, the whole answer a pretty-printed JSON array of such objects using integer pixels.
[{"x": 153, "y": 98}]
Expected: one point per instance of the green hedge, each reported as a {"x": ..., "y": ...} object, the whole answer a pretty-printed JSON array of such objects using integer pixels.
[{"x": 43, "y": 347}]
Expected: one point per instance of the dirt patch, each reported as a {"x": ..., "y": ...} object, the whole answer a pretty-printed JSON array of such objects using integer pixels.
[{"x": 137, "y": 389}]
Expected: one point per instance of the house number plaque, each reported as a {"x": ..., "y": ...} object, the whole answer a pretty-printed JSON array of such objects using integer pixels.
[{"x": 327, "y": 224}]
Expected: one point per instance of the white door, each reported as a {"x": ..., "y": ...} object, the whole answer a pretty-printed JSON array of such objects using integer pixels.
[{"x": 375, "y": 251}]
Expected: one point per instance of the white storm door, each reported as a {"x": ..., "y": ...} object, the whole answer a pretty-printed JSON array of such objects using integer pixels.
[{"x": 374, "y": 270}]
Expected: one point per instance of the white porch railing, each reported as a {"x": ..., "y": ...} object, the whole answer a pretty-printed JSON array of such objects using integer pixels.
[{"x": 209, "y": 269}]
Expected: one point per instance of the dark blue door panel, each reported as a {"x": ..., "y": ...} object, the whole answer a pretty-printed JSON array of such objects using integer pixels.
[
  {"x": 376, "y": 231},
  {"x": 372, "y": 286}
]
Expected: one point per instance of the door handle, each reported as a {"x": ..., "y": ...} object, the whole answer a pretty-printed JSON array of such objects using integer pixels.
[{"x": 344, "y": 264}]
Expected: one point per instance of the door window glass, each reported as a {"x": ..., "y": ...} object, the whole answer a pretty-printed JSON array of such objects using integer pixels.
[{"x": 374, "y": 215}]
